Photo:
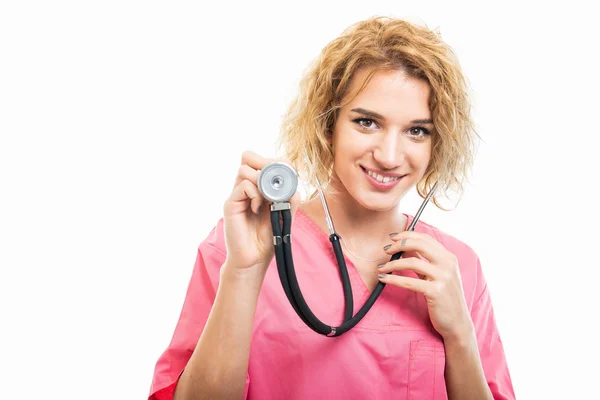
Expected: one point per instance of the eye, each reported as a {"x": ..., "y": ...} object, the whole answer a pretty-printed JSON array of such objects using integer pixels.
[
  {"x": 423, "y": 132},
  {"x": 365, "y": 123}
]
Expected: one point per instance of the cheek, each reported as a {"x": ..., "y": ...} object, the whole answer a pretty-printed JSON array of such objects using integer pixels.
[
  {"x": 424, "y": 160},
  {"x": 346, "y": 155},
  {"x": 421, "y": 156},
  {"x": 346, "y": 147}
]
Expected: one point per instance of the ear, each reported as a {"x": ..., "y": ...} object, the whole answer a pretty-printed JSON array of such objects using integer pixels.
[{"x": 329, "y": 137}]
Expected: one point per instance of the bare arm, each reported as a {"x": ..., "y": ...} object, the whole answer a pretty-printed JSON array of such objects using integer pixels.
[
  {"x": 217, "y": 368},
  {"x": 464, "y": 373}
]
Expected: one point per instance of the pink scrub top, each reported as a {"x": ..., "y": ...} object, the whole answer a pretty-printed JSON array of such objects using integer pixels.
[{"x": 392, "y": 353}]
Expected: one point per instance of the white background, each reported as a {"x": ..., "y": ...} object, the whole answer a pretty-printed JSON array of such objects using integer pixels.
[{"x": 122, "y": 124}]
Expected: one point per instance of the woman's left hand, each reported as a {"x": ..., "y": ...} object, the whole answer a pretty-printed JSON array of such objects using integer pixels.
[{"x": 439, "y": 281}]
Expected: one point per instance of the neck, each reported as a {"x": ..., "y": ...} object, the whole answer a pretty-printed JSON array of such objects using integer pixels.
[{"x": 364, "y": 231}]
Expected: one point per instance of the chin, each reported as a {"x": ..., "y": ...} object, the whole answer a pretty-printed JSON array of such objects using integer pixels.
[{"x": 377, "y": 202}]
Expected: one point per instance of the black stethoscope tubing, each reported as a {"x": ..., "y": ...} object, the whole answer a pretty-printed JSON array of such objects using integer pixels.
[{"x": 280, "y": 212}]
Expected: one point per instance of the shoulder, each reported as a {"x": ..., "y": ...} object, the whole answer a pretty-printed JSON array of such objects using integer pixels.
[
  {"x": 453, "y": 244},
  {"x": 304, "y": 232},
  {"x": 215, "y": 240},
  {"x": 212, "y": 253},
  {"x": 468, "y": 260}
]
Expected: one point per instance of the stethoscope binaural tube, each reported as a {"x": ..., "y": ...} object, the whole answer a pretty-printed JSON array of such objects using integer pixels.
[{"x": 272, "y": 186}]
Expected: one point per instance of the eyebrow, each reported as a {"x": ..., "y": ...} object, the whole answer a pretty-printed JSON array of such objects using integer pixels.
[{"x": 373, "y": 114}]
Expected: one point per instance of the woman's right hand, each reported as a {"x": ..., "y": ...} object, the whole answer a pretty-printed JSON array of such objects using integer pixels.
[{"x": 247, "y": 220}]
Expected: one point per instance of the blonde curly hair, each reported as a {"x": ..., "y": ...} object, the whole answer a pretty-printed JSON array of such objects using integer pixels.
[{"x": 383, "y": 43}]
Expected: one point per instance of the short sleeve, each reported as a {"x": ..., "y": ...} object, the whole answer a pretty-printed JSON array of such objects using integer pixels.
[
  {"x": 490, "y": 345},
  {"x": 196, "y": 308}
]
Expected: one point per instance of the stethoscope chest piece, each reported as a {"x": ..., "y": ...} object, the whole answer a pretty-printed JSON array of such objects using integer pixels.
[{"x": 277, "y": 182}]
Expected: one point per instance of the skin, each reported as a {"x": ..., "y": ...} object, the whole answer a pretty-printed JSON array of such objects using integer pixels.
[
  {"x": 371, "y": 217},
  {"x": 394, "y": 146}
]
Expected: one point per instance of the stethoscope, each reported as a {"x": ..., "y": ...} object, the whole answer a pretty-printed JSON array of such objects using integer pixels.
[{"x": 277, "y": 183}]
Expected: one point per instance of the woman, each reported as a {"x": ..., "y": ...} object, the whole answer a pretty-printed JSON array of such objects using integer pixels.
[{"x": 383, "y": 108}]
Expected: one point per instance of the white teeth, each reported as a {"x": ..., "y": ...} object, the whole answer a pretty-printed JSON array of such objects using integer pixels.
[{"x": 384, "y": 179}]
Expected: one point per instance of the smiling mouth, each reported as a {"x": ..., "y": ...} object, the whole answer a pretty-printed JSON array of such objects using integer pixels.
[{"x": 382, "y": 178}]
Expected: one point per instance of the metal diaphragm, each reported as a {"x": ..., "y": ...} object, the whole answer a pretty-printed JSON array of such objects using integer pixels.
[{"x": 277, "y": 182}]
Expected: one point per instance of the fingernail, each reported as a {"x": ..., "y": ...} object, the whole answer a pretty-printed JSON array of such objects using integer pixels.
[
  {"x": 381, "y": 265},
  {"x": 381, "y": 276},
  {"x": 393, "y": 234},
  {"x": 387, "y": 247}
]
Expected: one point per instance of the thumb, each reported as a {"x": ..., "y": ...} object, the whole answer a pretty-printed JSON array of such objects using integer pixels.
[{"x": 294, "y": 203}]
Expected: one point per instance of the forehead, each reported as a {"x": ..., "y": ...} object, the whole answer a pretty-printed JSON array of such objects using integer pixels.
[{"x": 391, "y": 93}]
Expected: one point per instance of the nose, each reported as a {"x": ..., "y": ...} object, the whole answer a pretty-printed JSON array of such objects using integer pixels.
[{"x": 388, "y": 151}]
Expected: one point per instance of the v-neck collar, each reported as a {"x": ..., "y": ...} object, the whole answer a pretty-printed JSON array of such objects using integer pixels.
[
  {"x": 323, "y": 238},
  {"x": 312, "y": 225}
]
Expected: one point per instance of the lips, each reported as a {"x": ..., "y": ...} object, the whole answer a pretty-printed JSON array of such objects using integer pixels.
[{"x": 380, "y": 180}]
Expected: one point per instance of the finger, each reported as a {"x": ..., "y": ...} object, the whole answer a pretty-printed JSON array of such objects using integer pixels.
[
  {"x": 257, "y": 161},
  {"x": 423, "y": 268},
  {"x": 412, "y": 253},
  {"x": 295, "y": 202},
  {"x": 246, "y": 172},
  {"x": 427, "y": 246},
  {"x": 254, "y": 160},
  {"x": 414, "y": 284},
  {"x": 238, "y": 201}
]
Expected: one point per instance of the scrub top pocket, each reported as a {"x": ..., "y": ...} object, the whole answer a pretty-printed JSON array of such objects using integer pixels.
[{"x": 426, "y": 366}]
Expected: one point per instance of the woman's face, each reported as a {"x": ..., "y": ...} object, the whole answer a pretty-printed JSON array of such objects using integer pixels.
[{"x": 381, "y": 140}]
